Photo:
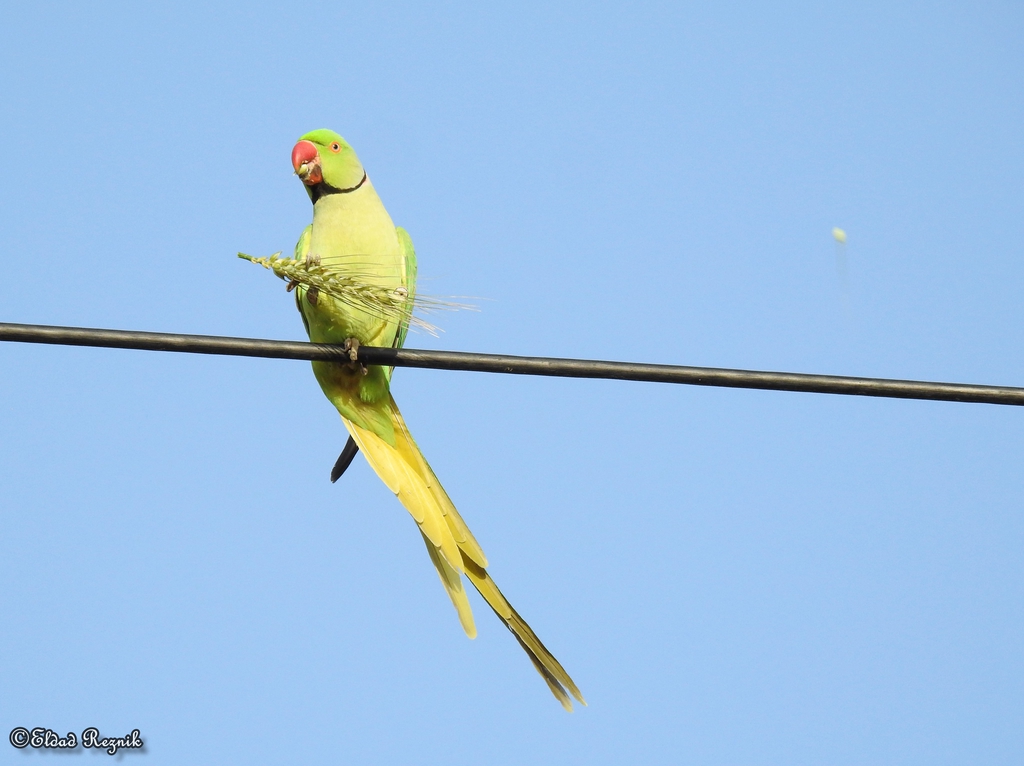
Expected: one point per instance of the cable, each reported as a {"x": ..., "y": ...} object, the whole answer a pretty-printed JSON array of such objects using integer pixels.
[{"x": 515, "y": 365}]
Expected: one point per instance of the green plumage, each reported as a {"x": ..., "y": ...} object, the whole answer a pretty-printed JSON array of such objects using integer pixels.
[{"x": 354, "y": 276}]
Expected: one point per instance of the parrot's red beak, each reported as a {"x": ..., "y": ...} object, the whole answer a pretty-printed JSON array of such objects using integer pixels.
[{"x": 306, "y": 161}]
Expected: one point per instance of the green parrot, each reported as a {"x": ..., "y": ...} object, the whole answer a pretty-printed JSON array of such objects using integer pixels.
[{"x": 353, "y": 241}]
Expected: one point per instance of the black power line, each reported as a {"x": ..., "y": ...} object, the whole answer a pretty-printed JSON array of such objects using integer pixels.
[{"x": 515, "y": 365}]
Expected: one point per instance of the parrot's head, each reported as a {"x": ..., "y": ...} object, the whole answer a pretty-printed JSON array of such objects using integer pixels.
[{"x": 326, "y": 164}]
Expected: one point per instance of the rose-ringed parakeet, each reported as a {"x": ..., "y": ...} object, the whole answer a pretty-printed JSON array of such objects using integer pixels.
[{"x": 367, "y": 269}]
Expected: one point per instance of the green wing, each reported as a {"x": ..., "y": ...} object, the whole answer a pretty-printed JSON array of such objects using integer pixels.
[
  {"x": 409, "y": 283},
  {"x": 408, "y": 280},
  {"x": 301, "y": 251}
]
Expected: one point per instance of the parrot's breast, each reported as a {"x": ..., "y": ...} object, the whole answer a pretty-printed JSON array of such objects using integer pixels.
[{"x": 354, "y": 237}]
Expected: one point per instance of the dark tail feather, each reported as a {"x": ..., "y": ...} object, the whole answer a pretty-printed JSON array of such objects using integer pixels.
[{"x": 350, "y": 451}]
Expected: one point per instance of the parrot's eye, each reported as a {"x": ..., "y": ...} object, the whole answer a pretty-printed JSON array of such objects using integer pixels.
[{"x": 335, "y": 147}]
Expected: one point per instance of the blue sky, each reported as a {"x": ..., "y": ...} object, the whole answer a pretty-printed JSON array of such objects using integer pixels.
[{"x": 731, "y": 577}]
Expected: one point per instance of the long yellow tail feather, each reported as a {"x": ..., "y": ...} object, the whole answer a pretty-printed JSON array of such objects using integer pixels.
[
  {"x": 549, "y": 668},
  {"x": 452, "y": 548},
  {"x": 452, "y": 582}
]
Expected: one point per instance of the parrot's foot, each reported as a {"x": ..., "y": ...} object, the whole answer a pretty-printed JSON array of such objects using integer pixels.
[{"x": 351, "y": 347}]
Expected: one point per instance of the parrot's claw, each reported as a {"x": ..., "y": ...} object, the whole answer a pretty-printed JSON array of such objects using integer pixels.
[{"x": 351, "y": 347}]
